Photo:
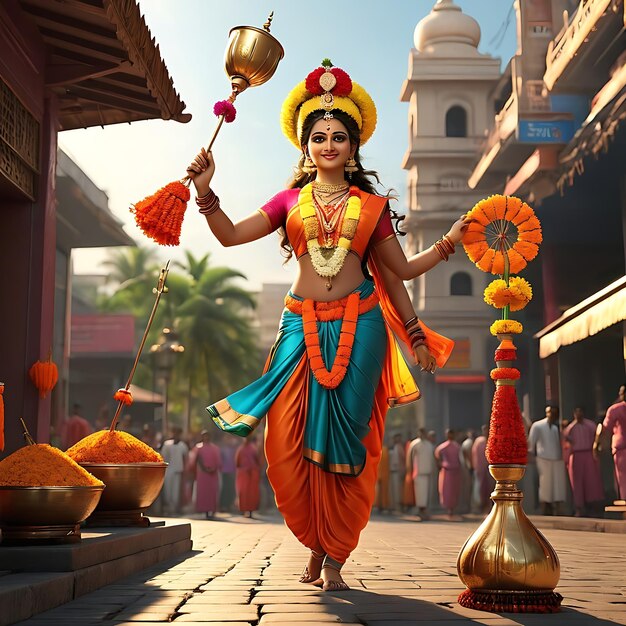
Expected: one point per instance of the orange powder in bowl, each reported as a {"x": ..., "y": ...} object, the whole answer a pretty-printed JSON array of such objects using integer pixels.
[
  {"x": 117, "y": 446},
  {"x": 41, "y": 465}
]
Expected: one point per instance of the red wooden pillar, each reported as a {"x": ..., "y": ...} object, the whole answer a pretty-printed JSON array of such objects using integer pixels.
[{"x": 27, "y": 228}]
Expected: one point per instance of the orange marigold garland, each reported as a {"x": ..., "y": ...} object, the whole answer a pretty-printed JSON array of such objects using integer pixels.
[{"x": 330, "y": 379}]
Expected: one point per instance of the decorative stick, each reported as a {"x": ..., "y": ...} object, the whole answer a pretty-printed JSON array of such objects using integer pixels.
[{"x": 123, "y": 395}]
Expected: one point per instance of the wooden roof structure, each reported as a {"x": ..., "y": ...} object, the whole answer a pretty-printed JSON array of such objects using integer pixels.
[{"x": 103, "y": 63}]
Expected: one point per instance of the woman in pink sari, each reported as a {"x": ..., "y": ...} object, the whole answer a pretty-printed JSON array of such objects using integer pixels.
[
  {"x": 248, "y": 476},
  {"x": 208, "y": 467}
]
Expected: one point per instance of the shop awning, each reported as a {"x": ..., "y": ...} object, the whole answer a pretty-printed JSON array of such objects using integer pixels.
[
  {"x": 103, "y": 63},
  {"x": 145, "y": 395},
  {"x": 599, "y": 311}
]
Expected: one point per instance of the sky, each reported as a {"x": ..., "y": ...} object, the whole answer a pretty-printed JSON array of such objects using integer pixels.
[{"x": 369, "y": 39}]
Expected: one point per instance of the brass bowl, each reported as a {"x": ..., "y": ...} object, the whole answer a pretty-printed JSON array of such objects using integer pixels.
[
  {"x": 129, "y": 486},
  {"x": 47, "y": 506}
]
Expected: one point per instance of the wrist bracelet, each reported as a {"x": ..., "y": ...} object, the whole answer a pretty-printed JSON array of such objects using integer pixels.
[
  {"x": 209, "y": 203},
  {"x": 409, "y": 322}
]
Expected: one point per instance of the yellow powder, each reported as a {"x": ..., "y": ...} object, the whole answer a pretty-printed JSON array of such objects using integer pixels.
[
  {"x": 42, "y": 465},
  {"x": 105, "y": 446}
]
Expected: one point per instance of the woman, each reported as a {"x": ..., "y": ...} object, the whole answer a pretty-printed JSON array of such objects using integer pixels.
[
  {"x": 335, "y": 367},
  {"x": 248, "y": 476},
  {"x": 208, "y": 462}
]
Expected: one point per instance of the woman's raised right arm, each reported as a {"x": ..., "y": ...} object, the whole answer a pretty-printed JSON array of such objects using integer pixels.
[{"x": 250, "y": 228}]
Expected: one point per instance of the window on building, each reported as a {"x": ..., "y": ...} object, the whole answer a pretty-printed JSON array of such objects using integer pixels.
[
  {"x": 456, "y": 122},
  {"x": 461, "y": 284}
]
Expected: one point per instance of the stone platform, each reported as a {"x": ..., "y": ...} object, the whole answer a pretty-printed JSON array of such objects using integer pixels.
[{"x": 34, "y": 579}]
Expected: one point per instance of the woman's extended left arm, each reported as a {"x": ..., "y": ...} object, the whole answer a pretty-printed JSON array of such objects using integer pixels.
[{"x": 392, "y": 255}]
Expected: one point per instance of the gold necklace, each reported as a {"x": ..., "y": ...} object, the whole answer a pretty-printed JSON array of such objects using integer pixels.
[
  {"x": 329, "y": 187},
  {"x": 330, "y": 206}
]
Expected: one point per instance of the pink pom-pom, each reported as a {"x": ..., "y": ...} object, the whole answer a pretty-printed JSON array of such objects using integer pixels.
[{"x": 225, "y": 108}]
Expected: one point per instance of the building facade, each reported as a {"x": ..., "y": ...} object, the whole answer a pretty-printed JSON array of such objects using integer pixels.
[
  {"x": 559, "y": 142},
  {"x": 65, "y": 66},
  {"x": 449, "y": 90}
]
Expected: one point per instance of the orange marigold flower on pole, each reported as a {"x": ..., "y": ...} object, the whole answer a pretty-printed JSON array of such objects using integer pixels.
[{"x": 508, "y": 227}]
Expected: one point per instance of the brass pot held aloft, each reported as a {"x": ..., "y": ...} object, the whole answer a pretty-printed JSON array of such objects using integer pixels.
[
  {"x": 252, "y": 56},
  {"x": 507, "y": 556}
]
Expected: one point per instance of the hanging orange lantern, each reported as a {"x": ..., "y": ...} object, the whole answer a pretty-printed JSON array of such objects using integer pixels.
[{"x": 44, "y": 375}]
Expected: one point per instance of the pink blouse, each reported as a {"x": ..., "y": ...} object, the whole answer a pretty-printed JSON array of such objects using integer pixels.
[{"x": 275, "y": 211}]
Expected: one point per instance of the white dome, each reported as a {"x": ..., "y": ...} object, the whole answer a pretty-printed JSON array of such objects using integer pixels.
[{"x": 447, "y": 29}]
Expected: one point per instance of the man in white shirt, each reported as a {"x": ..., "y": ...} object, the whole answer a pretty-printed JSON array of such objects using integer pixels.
[
  {"x": 421, "y": 464},
  {"x": 174, "y": 452},
  {"x": 544, "y": 441}
]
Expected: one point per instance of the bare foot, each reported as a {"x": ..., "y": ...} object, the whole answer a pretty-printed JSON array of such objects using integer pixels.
[
  {"x": 311, "y": 573},
  {"x": 333, "y": 580}
]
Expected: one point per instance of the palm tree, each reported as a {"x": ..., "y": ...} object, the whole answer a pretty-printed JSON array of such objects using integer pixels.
[
  {"x": 135, "y": 271},
  {"x": 194, "y": 267},
  {"x": 215, "y": 324}
]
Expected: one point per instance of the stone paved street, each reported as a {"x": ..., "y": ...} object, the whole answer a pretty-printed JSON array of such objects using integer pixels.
[{"x": 244, "y": 572}]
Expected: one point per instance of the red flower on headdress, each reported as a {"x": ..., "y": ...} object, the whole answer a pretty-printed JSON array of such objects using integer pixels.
[
  {"x": 312, "y": 81},
  {"x": 342, "y": 88},
  {"x": 344, "y": 82}
]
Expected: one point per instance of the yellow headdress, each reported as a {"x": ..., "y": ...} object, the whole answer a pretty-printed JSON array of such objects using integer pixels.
[{"x": 325, "y": 89}]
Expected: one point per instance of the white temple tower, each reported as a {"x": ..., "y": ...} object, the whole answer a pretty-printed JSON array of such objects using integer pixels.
[{"x": 448, "y": 89}]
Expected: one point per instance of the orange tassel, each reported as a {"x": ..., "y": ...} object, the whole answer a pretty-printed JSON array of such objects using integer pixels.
[
  {"x": 160, "y": 216},
  {"x": 124, "y": 396},
  {"x": 1, "y": 417}
]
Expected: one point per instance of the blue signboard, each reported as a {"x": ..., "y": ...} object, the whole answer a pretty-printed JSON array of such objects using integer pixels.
[{"x": 543, "y": 131}]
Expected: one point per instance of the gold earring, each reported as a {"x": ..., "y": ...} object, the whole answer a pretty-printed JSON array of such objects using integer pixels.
[
  {"x": 351, "y": 166},
  {"x": 308, "y": 167}
]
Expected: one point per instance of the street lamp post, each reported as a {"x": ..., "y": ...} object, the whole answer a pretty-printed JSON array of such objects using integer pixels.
[{"x": 164, "y": 354}]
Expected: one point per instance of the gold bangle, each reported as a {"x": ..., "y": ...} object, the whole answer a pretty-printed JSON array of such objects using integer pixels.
[{"x": 441, "y": 250}]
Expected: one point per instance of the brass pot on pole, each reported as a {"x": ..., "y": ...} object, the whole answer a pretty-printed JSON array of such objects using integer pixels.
[{"x": 507, "y": 564}]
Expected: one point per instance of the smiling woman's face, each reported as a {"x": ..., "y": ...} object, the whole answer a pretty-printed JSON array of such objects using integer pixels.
[{"x": 329, "y": 144}]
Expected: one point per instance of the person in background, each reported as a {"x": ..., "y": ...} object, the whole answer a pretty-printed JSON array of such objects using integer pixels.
[
  {"x": 448, "y": 455},
  {"x": 421, "y": 461},
  {"x": 228, "y": 449},
  {"x": 208, "y": 466},
  {"x": 397, "y": 465},
  {"x": 383, "y": 499},
  {"x": 615, "y": 423},
  {"x": 248, "y": 466},
  {"x": 148, "y": 436},
  {"x": 544, "y": 442},
  {"x": 74, "y": 428},
  {"x": 174, "y": 452},
  {"x": 583, "y": 469},
  {"x": 483, "y": 481},
  {"x": 408, "y": 491},
  {"x": 467, "y": 472}
]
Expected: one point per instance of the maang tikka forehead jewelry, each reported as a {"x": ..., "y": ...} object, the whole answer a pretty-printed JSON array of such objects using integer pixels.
[{"x": 328, "y": 116}]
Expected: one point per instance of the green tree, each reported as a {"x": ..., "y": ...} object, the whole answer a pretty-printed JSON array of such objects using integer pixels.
[
  {"x": 216, "y": 326},
  {"x": 135, "y": 271}
]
